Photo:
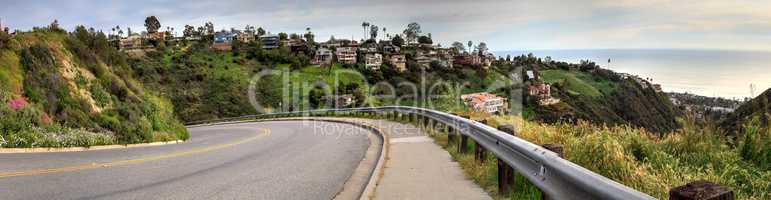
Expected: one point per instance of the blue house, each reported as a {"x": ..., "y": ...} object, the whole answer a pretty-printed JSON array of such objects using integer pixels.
[{"x": 223, "y": 40}]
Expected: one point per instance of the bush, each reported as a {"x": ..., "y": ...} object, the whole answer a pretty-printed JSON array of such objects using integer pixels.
[{"x": 755, "y": 145}]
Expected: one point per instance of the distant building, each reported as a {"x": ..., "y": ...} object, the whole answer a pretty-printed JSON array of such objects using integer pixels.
[
  {"x": 339, "y": 43},
  {"x": 542, "y": 91},
  {"x": 390, "y": 49},
  {"x": 159, "y": 35},
  {"x": 487, "y": 60},
  {"x": 657, "y": 87},
  {"x": 270, "y": 41},
  {"x": 423, "y": 59},
  {"x": 341, "y": 101},
  {"x": 298, "y": 45},
  {"x": 468, "y": 60},
  {"x": 323, "y": 56},
  {"x": 245, "y": 36},
  {"x": 484, "y": 102},
  {"x": 134, "y": 41},
  {"x": 223, "y": 41},
  {"x": 399, "y": 62},
  {"x": 346, "y": 55},
  {"x": 373, "y": 60},
  {"x": 530, "y": 75},
  {"x": 193, "y": 38}
]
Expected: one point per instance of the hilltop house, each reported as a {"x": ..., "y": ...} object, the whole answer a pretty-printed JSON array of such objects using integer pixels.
[
  {"x": 341, "y": 101},
  {"x": 388, "y": 48},
  {"x": 530, "y": 75},
  {"x": 346, "y": 55},
  {"x": 399, "y": 62},
  {"x": 468, "y": 60},
  {"x": 244, "y": 36},
  {"x": 484, "y": 102},
  {"x": 223, "y": 41},
  {"x": 487, "y": 60},
  {"x": 270, "y": 41},
  {"x": 542, "y": 92},
  {"x": 373, "y": 60},
  {"x": 323, "y": 56},
  {"x": 134, "y": 41},
  {"x": 158, "y": 35},
  {"x": 339, "y": 43},
  {"x": 657, "y": 87},
  {"x": 298, "y": 45}
]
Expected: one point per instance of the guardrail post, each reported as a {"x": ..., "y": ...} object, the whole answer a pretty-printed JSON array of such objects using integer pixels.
[
  {"x": 701, "y": 190},
  {"x": 506, "y": 180},
  {"x": 450, "y": 133},
  {"x": 559, "y": 150},
  {"x": 480, "y": 151},
  {"x": 463, "y": 143},
  {"x": 429, "y": 124}
]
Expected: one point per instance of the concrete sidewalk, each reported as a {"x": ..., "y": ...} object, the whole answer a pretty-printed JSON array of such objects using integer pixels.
[{"x": 418, "y": 168}]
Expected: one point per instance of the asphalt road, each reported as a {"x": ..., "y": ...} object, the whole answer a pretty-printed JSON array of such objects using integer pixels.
[{"x": 265, "y": 160}]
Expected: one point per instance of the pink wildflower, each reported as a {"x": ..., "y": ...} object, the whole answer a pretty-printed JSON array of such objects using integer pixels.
[{"x": 17, "y": 103}]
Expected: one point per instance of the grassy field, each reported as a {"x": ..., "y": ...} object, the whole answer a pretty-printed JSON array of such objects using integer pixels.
[{"x": 579, "y": 83}]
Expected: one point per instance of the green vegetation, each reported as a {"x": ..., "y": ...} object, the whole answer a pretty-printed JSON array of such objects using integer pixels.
[
  {"x": 652, "y": 164},
  {"x": 600, "y": 96},
  {"x": 579, "y": 83},
  {"x": 72, "y": 89}
]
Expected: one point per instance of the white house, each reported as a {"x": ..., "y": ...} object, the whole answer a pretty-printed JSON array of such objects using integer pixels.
[{"x": 484, "y": 102}]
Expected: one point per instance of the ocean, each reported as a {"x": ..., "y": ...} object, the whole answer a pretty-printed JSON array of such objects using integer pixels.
[{"x": 714, "y": 73}]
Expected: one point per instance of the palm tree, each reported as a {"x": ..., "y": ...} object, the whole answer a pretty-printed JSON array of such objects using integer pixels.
[
  {"x": 384, "y": 32},
  {"x": 470, "y": 43},
  {"x": 365, "y": 26}
]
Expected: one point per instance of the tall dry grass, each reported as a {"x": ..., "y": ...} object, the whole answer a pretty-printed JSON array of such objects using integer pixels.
[{"x": 651, "y": 164}]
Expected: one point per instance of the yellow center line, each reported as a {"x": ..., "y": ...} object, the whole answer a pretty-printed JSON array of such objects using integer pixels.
[{"x": 265, "y": 132}]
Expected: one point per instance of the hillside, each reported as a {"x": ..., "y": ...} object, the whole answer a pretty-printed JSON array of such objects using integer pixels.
[
  {"x": 757, "y": 109},
  {"x": 73, "y": 89},
  {"x": 587, "y": 92}
]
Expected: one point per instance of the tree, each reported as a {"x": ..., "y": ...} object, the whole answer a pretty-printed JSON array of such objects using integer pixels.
[
  {"x": 260, "y": 31},
  {"x": 309, "y": 35},
  {"x": 425, "y": 40},
  {"x": 482, "y": 48},
  {"x": 282, "y": 36},
  {"x": 458, "y": 47},
  {"x": 152, "y": 24},
  {"x": 250, "y": 29},
  {"x": 200, "y": 30},
  {"x": 412, "y": 31},
  {"x": 470, "y": 45},
  {"x": 365, "y": 25},
  {"x": 373, "y": 32},
  {"x": 397, "y": 41},
  {"x": 384, "y": 31},
  {"x": 294, "y": 36},
  {"x": 209, "y": 28},
  {"x": 189, "y": 31}
]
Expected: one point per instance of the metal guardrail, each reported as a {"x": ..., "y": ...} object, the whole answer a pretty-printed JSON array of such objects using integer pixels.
[{"x": 556, "y": 177}]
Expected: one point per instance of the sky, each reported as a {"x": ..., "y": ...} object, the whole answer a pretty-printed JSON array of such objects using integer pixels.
[{"x": 502, "y": 24}]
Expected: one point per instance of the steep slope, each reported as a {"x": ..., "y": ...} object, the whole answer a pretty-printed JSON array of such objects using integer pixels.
[
  {"x": 73, "y": 89},
  {"x": 601, "y": 96},
  {"x": 757, "y": 109}
]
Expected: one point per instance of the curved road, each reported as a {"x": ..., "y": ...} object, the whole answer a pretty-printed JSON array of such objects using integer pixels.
[{"x": 263, "y": 160}]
